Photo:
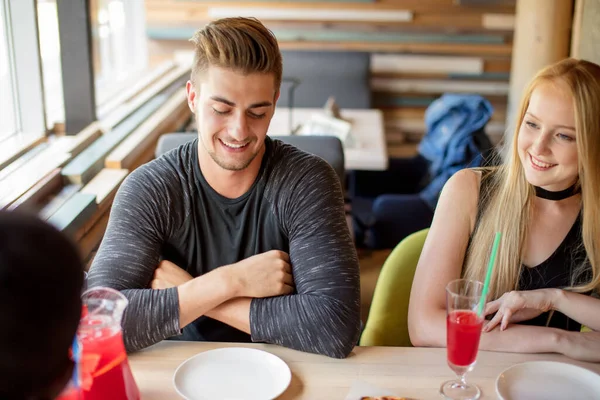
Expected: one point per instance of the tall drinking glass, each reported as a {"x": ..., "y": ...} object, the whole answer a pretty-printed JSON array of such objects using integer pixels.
[{"x": 463, "y": 330}]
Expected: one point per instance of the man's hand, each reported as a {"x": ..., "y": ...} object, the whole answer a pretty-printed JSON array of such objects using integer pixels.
[
  {"x": 263, "y": 275},
  {"x": 168, "y": 275},
  {"x": 517, "y": 306}
]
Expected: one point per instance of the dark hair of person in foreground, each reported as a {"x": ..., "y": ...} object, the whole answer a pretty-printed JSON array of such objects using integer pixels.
[{"x": 40, "y": 305}]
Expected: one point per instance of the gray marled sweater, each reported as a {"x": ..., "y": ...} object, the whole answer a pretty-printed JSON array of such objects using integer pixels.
[{"x": 166, "y": 210}]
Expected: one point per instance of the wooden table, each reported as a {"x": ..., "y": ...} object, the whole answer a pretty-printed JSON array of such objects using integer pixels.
[
  {"x": 410, "y": 372},
  {"x": 368, "y": 150}
]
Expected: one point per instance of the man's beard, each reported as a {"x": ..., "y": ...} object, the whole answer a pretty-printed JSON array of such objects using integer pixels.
[{"x": 232, "y": 166}]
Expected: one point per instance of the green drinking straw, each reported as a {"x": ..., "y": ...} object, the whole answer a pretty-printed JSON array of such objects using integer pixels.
[{"x": 488, "y": 276}]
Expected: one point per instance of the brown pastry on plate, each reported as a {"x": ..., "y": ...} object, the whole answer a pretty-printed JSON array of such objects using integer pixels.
[{"x": 383, "y": 398}]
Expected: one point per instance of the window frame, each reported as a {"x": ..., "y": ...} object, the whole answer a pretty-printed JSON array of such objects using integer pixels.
[
  {"x": 76, "y": 61},
  {"x": 25, "y": 67}
]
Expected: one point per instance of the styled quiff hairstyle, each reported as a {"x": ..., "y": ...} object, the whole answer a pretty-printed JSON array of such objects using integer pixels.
[{"x": 241, "y": 44}]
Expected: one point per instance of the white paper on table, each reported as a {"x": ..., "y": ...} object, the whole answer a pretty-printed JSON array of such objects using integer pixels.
[
  {"x": 360, "y": 389},
  {"x": 321, "y": 124}
]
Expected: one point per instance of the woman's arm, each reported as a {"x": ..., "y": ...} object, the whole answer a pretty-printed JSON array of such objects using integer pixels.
[
  {"x": 522, "y": 339},
  {"x": 584, "y": 346},
  {"x": 441, "y": 261},
  {"x": 580, "y": 307},
  {"x": 442, "y": 258}
]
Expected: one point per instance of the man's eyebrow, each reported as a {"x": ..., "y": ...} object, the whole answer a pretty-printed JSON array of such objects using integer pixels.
[
  {"x": 261, "y": 104},
  {"x": 222, "y": 100},
  {"x": 232, "y": 104},
  {"x": 557, "y": 126}
]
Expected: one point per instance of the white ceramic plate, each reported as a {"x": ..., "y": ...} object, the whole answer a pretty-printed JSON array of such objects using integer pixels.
[
  {"x": 232, "y": 373},
  {"x": 547, "y": 380}
]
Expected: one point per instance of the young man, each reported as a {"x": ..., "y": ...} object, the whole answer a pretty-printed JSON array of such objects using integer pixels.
[
  {"x": 234, "y": 236},
  {"x": 41, "y": 277}
]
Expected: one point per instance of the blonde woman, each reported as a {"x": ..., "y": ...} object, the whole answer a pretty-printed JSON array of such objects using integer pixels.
[{"x": 546, "y": 202}]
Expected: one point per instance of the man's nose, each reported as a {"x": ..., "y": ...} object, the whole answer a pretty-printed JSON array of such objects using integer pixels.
[{"x": 239, "y": 127}]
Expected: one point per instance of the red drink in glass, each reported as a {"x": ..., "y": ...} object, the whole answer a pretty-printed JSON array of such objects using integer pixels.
[
  {"x": 464, "y": 331},
  {"x": 105, "y": 372}
]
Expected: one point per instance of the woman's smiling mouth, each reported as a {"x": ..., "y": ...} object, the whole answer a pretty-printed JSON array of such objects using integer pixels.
[{"x": 540, "y": 165}]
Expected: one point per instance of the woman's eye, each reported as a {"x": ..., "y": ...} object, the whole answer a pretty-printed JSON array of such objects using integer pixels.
[
  {"x": 220, "y": 112},
  {"x": 564, "y": 137},
  {"x": 531, "y": 124}
]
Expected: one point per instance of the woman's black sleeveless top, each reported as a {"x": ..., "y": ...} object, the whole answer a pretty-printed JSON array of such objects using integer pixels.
[{"x": 555, "y": 272}]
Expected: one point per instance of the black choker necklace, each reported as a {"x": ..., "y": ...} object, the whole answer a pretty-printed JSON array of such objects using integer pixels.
[{"x": 560, "y": 195}]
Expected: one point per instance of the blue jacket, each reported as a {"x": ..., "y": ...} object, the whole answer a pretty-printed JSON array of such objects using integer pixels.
[{"x": 449, "y": 143}]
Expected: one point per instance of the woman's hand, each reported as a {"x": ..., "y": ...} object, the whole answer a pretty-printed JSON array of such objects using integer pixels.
[{"x": 517, "y": 306}]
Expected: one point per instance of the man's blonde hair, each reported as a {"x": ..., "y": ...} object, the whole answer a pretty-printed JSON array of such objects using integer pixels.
[{"x": 241, "y": 44}]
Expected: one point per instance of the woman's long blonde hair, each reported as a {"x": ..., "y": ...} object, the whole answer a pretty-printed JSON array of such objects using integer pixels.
[{"x": 510, "y": 196}]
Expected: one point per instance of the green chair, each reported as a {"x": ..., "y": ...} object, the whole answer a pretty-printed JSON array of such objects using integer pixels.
[{"x": 387, "y": 324}]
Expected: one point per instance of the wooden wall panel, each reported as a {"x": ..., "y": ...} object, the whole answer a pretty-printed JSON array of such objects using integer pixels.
[
  {"x": 170, "y": 117},
  {"x": 32, "y": 200},
  {"x": 48, "y": 176},
  {"x": 420, "y": 48},
  {"x": 74, "y": 213}
]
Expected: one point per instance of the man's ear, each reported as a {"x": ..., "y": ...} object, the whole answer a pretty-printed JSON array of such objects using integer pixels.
[
  {"x": 191, "y": 96},
  {"x": 277, "y": 94}
]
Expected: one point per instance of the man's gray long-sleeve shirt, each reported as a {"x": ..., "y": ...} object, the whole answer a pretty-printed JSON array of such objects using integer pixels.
[{"x": 166, "y": 210}]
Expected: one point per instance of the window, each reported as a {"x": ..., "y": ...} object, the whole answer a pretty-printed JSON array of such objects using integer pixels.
[
  {"x": 51, "y": 67},
  {"x": 21, "y": 108},
  {"x": 119, "y": 45},
  {"x": 30, "y": 43},
  {"x": 8, "y": 122},
  {"x": 119, "y": 51}
]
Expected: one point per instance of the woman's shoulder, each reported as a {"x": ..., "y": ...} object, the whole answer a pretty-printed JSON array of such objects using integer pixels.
[
  {"x": 471, "y": 181},
  {"x": 462, "y": 192},
  {"x": 465, "y": 182}
]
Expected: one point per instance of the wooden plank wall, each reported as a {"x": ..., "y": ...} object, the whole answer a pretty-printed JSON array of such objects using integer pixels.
[
  {"x": 420, "y": 48},
  {"x": 71, "y": 181}
]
